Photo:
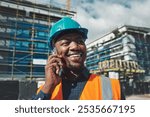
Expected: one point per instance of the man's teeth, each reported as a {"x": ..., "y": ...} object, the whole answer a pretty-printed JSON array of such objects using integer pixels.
[{"x": 76, "y": 55}]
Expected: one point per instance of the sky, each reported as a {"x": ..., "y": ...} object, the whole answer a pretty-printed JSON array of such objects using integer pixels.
[{"x": 102, "y": 16}]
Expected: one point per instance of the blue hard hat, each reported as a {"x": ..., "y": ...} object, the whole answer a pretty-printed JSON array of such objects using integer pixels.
[{"x": 65, "y": 25}]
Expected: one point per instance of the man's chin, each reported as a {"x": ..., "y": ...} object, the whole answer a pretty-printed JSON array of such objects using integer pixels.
[{"x": 76, "y": 66}]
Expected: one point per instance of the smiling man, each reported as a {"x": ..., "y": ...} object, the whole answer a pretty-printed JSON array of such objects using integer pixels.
[{"x": 66, "y": 76}]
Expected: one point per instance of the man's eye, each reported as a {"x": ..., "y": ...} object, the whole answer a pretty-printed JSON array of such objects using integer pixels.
[
  {"x": 80, "y": 42},
  {"x": 65, "y": 43}
]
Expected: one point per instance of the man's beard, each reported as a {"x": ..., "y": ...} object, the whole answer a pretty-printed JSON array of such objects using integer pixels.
[{"x": 75, "y": 67}]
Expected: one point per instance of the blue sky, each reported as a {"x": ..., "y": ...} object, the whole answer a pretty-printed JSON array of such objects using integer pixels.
[{"x": 102, "y": 16}]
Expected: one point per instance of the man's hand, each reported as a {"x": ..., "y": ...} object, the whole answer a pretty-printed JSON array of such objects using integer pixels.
[{"x": 52, "y": 68}]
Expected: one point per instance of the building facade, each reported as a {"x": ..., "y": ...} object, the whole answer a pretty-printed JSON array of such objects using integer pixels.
[{"x": 124, "y": 54}]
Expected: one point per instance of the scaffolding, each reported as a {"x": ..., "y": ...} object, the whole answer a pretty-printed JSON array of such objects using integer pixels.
[{"x": 24, "y": 30}]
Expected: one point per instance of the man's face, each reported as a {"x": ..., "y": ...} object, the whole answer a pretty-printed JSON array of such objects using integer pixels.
[{"x": 72, "y": 49}]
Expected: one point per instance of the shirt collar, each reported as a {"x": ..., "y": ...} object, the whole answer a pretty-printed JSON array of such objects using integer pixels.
[{"x": 85, "y": 73}]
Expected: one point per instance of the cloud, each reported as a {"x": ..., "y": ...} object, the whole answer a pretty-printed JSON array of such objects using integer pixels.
[{"x": 102, "y": 16}]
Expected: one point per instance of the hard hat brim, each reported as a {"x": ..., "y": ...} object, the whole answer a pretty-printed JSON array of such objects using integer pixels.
[{"x": 82, "y": 31}]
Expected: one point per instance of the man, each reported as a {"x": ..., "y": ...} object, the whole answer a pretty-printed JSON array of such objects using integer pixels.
[{"x": 66, "y": 76}]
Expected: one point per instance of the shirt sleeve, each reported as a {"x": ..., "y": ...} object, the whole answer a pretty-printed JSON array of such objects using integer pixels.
[{"x": 41, "y": 96}]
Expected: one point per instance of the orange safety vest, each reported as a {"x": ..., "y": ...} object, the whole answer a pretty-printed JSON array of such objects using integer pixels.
[{"x": 96, "y": 88}]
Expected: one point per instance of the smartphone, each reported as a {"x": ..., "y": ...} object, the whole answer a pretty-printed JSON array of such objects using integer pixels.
[{"x": 61, "y": 69}]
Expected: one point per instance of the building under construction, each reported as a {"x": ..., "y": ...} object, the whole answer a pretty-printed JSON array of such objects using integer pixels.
[
  {"x": 24, "y": 30},
  {"x": 124, "y": 54}
]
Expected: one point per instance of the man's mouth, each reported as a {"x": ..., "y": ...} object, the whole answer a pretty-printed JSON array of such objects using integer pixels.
[
  {"x": 75, "y": 58},
  {"x": 76, "y": 54}
]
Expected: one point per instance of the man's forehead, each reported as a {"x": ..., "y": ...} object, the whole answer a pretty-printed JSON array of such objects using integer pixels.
[{"x": 71, "y": 36}]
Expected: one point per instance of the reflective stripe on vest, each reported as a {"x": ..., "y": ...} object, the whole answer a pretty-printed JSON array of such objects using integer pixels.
[{"x": 106, "y": 88}]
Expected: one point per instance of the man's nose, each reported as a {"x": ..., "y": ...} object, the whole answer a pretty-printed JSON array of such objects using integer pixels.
[{"x": 74, "y": 45}]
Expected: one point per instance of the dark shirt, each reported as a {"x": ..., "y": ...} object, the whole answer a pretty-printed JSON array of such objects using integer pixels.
[{"x": 73, "y": 89}]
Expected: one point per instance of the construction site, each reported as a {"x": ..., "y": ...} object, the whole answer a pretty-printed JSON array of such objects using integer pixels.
[
  {"x": 24, "y": 30},
  {"x": 123, "y": 54}
]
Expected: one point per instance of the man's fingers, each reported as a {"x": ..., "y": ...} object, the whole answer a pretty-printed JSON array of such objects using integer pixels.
[
  {"x": 54, "y": 56},
  {"x": 54, "y": 63},
  {"x": 54, "y": 60},
  {"x": 55, "y": 67}
]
